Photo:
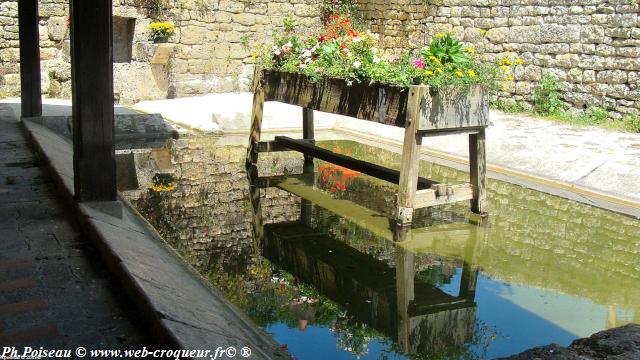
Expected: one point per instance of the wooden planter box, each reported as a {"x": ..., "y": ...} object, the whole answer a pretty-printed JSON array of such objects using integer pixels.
[{"x": 421, "y": 110}]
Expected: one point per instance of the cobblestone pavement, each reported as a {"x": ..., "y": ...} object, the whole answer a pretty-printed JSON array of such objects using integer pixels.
[{"x": 54, "y": 291}]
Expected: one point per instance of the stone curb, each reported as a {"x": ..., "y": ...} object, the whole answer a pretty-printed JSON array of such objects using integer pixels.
[{"x": 192, "y": 315}]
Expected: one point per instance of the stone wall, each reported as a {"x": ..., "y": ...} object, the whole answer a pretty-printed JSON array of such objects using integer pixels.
[
  {"x": 591, "y": 46},
  {"x": 211, "y": 48}
]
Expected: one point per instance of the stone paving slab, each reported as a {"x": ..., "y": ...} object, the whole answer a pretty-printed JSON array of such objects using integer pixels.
[{"x": 183, "y": 308}]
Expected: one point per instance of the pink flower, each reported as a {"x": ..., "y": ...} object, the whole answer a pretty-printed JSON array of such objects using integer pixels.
[{"x": 418, "y": 63}]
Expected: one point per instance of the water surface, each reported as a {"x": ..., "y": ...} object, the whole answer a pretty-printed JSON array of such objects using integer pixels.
[{"x": 310, "y": 254}]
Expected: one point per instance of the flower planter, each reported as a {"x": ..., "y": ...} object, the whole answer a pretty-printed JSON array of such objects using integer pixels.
[
  {"x": 161, "y": 39},
  {"x": 421, "y": 110}
]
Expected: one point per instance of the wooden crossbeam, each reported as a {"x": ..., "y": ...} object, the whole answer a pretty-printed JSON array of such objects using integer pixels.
[{"x": 364, "y": 167}]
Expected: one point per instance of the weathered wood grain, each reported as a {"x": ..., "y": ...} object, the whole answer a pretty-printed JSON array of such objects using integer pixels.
[
  {"x": 478, "y": 172},
  {"x": 454, "y": 193},
  {"x": 31, "y": 97},
  {"x": 256, "y": 117}
]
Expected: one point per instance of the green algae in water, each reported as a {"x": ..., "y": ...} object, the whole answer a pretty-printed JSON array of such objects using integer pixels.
[{"x": 546, "y": 269}]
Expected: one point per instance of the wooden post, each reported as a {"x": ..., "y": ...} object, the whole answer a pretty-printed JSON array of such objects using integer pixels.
[
  {"x": 411, "y": 154},
  {"x": 256, "y": 117},
  {"x": 30, "y": 88},
  {"x": 307, "y": 130},
  {"x": 94, "y": 163},
  {"x": 478, "y": 171}
]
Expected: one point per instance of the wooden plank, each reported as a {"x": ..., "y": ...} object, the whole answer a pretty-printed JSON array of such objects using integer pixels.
[
  {"x": 256, "y": 117},
  {"x": 409, "y": 165},
  {"x": 478, "y": 172},
  {"x": 92, "y": 92},
  {"x": 376, "y": 102},
  {"x": 454, "y": 193},
  {"x": 449, "y": 107},
  {"x": 364, "y": 167},
  {"x": 30, "y": 90},
  {"x": 162, "y": 54},
  {"x": 456, "y": 108}
]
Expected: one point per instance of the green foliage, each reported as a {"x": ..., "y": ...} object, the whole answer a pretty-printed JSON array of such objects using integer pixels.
[
  {"x": 342, "y": 52},
  {"x": 546, "y": 97},
  {"x": 510, "y": 106},
  {"x": 289, "y": 24},
  {"x": 631, "y": 122},
  {"x": 339, "y": 7}
]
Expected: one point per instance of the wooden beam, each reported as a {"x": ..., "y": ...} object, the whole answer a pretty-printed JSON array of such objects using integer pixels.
[
  {"x": 364, "y": 167},
  {"x": 274, "y": 146},
  {"x": 478, "y": 172},
  {"x": 94, "y": 161},
  {"x": 452, "y": 193},
  {"x": 30, "y": 88}
]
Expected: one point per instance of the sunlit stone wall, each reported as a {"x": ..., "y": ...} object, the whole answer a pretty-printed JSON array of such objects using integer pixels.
[{"x": 591, "y": 46}]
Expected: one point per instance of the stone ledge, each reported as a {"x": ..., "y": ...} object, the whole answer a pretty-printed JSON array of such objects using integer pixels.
[{"x": 184, "y": 311}]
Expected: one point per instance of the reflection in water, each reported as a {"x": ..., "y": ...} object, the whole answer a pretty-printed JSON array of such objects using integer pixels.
[{"x": 328, "y": 274}]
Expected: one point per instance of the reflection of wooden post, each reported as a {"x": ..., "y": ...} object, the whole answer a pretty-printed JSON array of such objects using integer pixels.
[
  {"x": 410, "y": 155},
  {"x": 612, "y": 318},
  {"x": 470, "y": 269},
  {"x": 307, "y": 130},
  {"x": 306, "y": 206},
  {"x": 257, "y": 226},
  {"x": 478, "y": 169},
  {"x": 405, "y": 274},
  {"x": 256, "y": 117}
]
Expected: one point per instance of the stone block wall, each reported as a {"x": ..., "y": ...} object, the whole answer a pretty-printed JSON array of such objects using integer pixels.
[
  {"x": 211, "y": 48},
  {"x": 591, "y": 46}
]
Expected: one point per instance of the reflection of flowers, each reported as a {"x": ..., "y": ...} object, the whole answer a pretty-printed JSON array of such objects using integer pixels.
[
  {"x": 334, "y": 178},
  {"x": 352, "y": 336},
  {"x": 163, "y": 183}
]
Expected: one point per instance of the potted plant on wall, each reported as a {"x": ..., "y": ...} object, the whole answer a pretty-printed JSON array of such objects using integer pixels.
[{"x": 160, "y": 32}]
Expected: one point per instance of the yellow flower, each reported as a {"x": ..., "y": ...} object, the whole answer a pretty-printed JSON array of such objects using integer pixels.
[
  {"x": 459, "y": 73},
  {"x": 439, "y": 70},
  {"x": 428, "y": 72},
  {"x": 519, "y": 61},
  {"x": 509, "y": 78},
  {"x": 439, "y": 35},
  {"x": 470, "y": 50},
  {"x": 471, "y": 73},
  {"x": 482, "y": 31},
  {"x": 506, "y": 61},
  {"x": 504, "y": 68}
]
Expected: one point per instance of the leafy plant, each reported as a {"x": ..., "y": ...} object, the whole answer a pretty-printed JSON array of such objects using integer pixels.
[
  {"x": 289, "y": 24},
  {"x": 546, "y": 96},
  {"x": 160, "y": 30},
  {"x": 339, "y": 50},
  {"x": 510, "y": 106},
  {"x": 153, "y": 7}
]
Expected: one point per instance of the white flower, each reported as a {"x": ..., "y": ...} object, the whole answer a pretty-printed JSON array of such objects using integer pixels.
[
  {"x": 356, "y": 39},
  {"x": 376, "y": 60},
  {"x": 357, "y": 64},
  {"x": 306, "y": 53},
  {"x": 349, "y": 82},
  {"x": 277, "y": 52},
  {"x": 302, "y": 66},
  {"x": 374, "y": 50},
  {"x": 289, "y": 44}
]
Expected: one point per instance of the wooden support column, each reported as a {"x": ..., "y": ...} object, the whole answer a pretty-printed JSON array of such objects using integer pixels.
[
  {"x": 94, "y": 164},
  {"x": 307, "y": 130},
  {"x": 410, "y": 154},
  {"x": 257, "y": 225},
  {"x": 256, "y": 117},
  {"x": 478, "y": 171},
  {"x": 30, "y": 90}
]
